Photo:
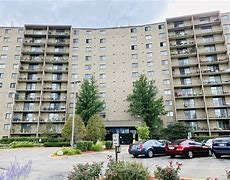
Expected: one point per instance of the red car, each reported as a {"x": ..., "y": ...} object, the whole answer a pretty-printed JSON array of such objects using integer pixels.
[{"x": 187, "y": 148}]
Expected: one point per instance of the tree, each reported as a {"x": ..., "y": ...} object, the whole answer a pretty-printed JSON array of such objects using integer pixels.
[
  {"x": 144, "y": 103},
  {"x": 177, "y": 130},
  {"x": 80, "y": 130},
  {"x": 88, "y": 103},
  {"x": 143, "y": 131},
  {"x": 95, "y": 129}
]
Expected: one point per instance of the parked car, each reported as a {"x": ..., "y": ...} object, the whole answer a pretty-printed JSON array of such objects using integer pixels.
[
  {"x": 163, "y": 141},
  {"x": 221, "y": 146},
  {"x": 187, "y": 148},
  {"x": 208, "y": 143},
  {"x": 148, "y": 148}
]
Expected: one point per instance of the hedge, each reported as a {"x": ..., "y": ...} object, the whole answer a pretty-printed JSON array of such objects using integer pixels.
[
  {"x": 30, "y": 139},
  {"x": 203, "y": 138},
  {"x": 18, "y": 144},
  {"x": 108, "y": 144},
  {"x": 56, "y": 144}
]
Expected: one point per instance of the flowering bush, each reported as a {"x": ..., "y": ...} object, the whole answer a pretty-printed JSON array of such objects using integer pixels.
[
  {"x": 168, "y": 173},
  {"x": 228, "y": 174},
  {"x": 15, "y": 171},
  {"x": 86, "y": 171}
]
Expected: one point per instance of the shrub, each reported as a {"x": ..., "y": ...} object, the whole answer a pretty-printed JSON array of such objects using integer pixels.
[
  {"x": 228, "y": 174},
  {"x": 168, "y": 173},
  {"x": 84, "y": 145},
  {"x": 18, "y": 144},
  {"x": 108, "y": 144},
  {"x": 56, "y": 144},
  {"x": 202, "y": 138},
  {"x": 97, "y": 147},
  {"x": 70, "y": 151},
  {"x": 86, "y": 171},
  {"x": 143, "y": 131},
  {"x": 30, "y": 139},
  {"x": 122, "y": 170}
]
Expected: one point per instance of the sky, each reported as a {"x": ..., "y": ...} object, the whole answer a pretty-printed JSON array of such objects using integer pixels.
[{"x": 101, "y": 13}]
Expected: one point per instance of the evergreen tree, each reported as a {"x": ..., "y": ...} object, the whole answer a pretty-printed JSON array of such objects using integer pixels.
[
  {"x": 88, "y": 103},
  {"x": 145, "y": 104},
  {"x": 80, "y": 130}
]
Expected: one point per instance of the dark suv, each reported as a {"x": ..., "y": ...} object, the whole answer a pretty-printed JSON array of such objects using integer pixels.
[{"x": 221, "y": 146}]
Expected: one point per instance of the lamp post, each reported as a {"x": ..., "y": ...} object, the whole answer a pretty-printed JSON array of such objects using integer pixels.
[{"x": 74, "y": 108}]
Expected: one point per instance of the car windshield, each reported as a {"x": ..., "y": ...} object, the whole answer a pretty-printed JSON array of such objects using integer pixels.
[{"x": 177, "y": 142}]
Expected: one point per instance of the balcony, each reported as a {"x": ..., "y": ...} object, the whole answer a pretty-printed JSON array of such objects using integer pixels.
[
  {"x": 211, "y": 32},
  {"x": 35, "y": 33},
  {"x": 182, "y": 44},
  {"x": 189, "y": 106},
  {"x": 188, "y": 95},
  {"x": 218, "y": 41},
  {"x": 57, "y": 61},
  {"x": 173, "y": 27},
  {"x": 181, "y": 36},
  {"x": 220, "y": 93},
  {"x": 220, "y": 117},
  {"x": 50, "y": 89},
  {"x": 63, "y": 69},
  {"x": 192, "y": 119},
  {"x": 30, "y": 69},
  {"x": 28, "y": 89},
  {"x": 58, "y": 99},
  {"x": 187, "y": 53},
  {"x": 54, "y": 33},
  {"x": 214, "y": 21},
  {"x": 187, "y": 85},
  {"x": 56, "y": 120},
  {"x": 33, "y": 51},
  {"x": 53, "y": 109},
  {"x": 34, "y": 60},
  {"x": 217, "y": 61},
  {"x": 61, "y": 42},
  {"x": 29, "y": 99},
  {"x": 191, "y": 74},
  {"x": 215, "y": 71},
  {"x": 210, "y": 52},
  {"x": 19, "y": 110},
  {"x": 25, "y": 79},
  {"x": 32, "y": 42},
  {"x": 220, "y": 105},
  {"x": 17, "y": 120},
  {"x": 192, "y": 64},
  {"x": 210, "y": 83},
  {"x": 58, "y": 51}
]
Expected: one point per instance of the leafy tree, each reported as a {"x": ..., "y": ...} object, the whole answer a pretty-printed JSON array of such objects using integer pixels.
[
  {"x": 95, "y": 129},
  {"x": 50, "y": 132},
  {"x": 143, "y": 131},
  {"x": 177, "y": 130},
  {"x": 144, "y": 103},
  {"x": 88, "y": 103},
  {"x": 80, "y": 130}
]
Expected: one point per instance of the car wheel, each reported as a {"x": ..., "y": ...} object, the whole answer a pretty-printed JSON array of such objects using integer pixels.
[
  {"x": 217, "y": 155},
  {"x": 189, "y": 154},
  {"x": 172, "y": 156},
  {"x": 150, "y": 153},
  {"x": 135, "y": 155}
]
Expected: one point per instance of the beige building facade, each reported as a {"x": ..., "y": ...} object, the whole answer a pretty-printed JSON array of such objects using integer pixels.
[{"x": 187, "y": 57}]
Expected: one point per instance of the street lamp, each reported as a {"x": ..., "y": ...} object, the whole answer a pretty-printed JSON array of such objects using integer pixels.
[{"x": 74, "y": 107}]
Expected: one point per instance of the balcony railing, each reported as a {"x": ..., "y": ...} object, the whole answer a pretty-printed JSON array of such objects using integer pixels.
[
  {"x": 185, "y": 52},
  {"x": 178, "y": 94}
]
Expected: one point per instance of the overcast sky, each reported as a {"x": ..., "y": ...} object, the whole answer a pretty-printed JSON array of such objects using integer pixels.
[{"x": 101, "y": 13}]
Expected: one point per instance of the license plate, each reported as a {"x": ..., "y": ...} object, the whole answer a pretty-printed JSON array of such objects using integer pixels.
[
  {"x": 171, "y": 147},
  {"x": 221, "y": 144}
]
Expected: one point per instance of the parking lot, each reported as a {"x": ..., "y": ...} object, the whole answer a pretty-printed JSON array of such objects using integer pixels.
[{"x": 45, "y": 167}]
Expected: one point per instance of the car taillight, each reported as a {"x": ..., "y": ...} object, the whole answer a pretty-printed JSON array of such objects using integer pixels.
[
  {"x": 180, "y": 148},
  {"x": 141, "y": 146}
]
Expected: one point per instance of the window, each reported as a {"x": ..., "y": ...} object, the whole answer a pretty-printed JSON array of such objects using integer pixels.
[
  {"x": 149, "y": 46},
  {"x": 165, "y": 71},
  {"x": 19, "y": 40},
  {"x": 76, "y": 32},
  {"x": 166, "y": 81},
  {"x": 20, "y": 31},
  {"x": 180, "y": 33},
  {"x": 148, "y": 28},
  {"x": 150, "y": 63},
  {"x": 150, "y": 73},
  {"x": 215, "y": 90},
  {"x": 164, "y": 53},
  {"x": 88, "y": 32},
  {"x": 74, "y": 58},
  {"x": 14, "y": 75},
  {"x": 204, "y": 19},
  {"x": 211, "y": 58},
  {"x": 190, "y": 114},
  {"x": 162, "y": 35},
  {"x": 88, "y": 41},
  {"x": 167, "y": 92},
  {"x": 102, "y": 76},
  {"x": 3, "y": 57},
  {"x": 226, "y": 26},
  {"x": 5, "y": 48},
  {"x": 15, "y": 66},
  {"x": 55, "y": 86},
  {"x": 169, "y": 114},
  {"x": 1, "y": 85},
  {"x": 133, "y": 30},
  {"x": 134, "y": 65},
  {"x": 162, "y": 44},
  {"x": 6, "y": 126},
  {"x": 183, "y": 61},
  {"x": 102, "y": 32},
  {"x": 102, "y": 94},
  {"x": 75, "y": 49},
  {"x": 218, "y": 101},
  {"x": 164, "y": 62},
  {"x": 149, "y": 54},
  {"x": 178, "y": 24},
  {"x": 102, "y": 58},
  {"x": 2, "y": 66},
  {"x": 133, "y": 47},
  {"x": 221, "y": 113},
  {"x": 88, "y": 49},
  {"x": 88, "y": 58},
  {"x": 133, "y": 38},
  {"x": 7, "y": 31},
  {"x": 9, "y": 105},
  {"x": 56, "y": 77},
  {"x": 10, "y": 95},
  {"x": 208, "y": 39},
  {"x": 102, "y": 85},
  {"x": 8, "y": 116},
  {"x": 6, "y": 39},
  {"x": 54, "y": 117},
  {"x": 102, "y": 66},
  {"x": 186, "y": 81},
  {"x": 214, "y": 79},
  {"x": 210, "y": 48},
  {"x": 134, "y": 56},
  {"x": 225, "y": 17},
  {"x": 87, "y": 67},
  {"x": 161, "y": 26},
  {"x": 189, "y": 103},
  {"x": 17, "y": 57},
  {"x": 75, "y": 41},
  {"x": 206, "y": 29},
  {"x": 1, "y": 75},
  {"x": 102, "y": 40},
  {"x": 102, "y": 49},
  {"x": 168, "y": 102},
  {"x": 227, "y": 36},
  {"x": 18, "y": 48},
  {"x": 88, "y": 76},
  {"x": 74, "y": 76},
  {"x": 148, "y": 37},
  {"x": 74, "y": 66},
  {"x": 184, "y": 71},
  {"x": 135, "y": 74}
]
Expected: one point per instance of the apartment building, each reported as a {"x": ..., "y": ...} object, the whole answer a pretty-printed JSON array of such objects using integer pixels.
[{"x": 187, "y": 57}]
